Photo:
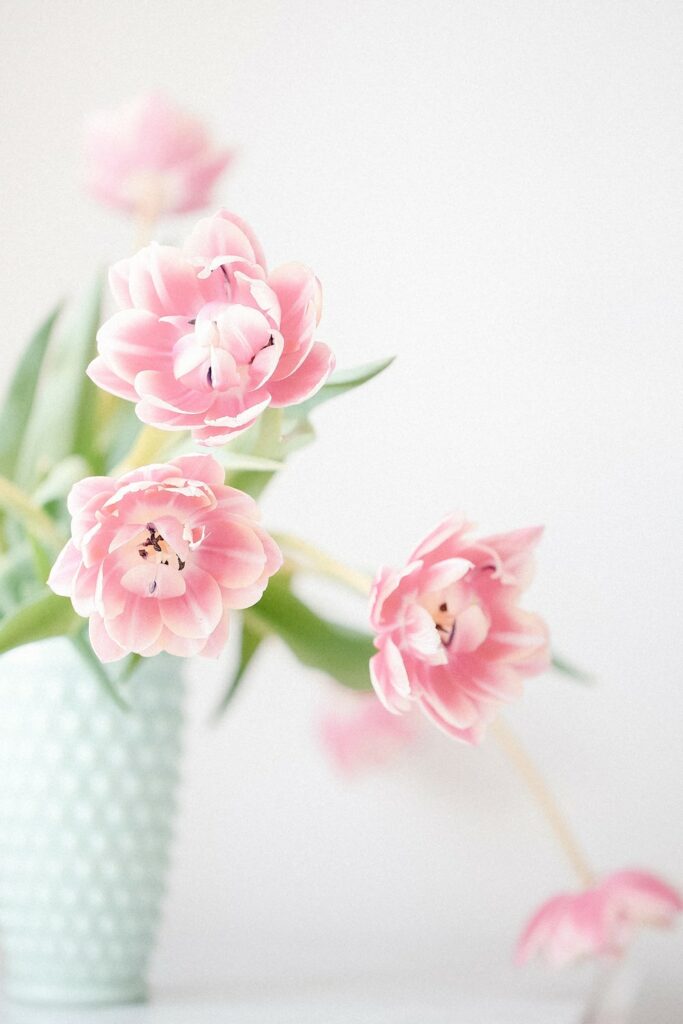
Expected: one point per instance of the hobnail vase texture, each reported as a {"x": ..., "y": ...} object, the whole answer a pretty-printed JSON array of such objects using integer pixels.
[{"x": 87, "y": 800}]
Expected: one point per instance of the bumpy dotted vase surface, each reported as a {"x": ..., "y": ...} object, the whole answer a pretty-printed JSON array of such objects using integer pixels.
[{"x": 87, "y": 799}]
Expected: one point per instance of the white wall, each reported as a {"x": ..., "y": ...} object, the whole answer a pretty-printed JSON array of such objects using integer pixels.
[{"x": 492, "y": 191}]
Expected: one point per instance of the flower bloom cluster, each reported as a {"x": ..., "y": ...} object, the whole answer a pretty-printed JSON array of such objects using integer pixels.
[
  {"x": 451, "y": 636},
  {"x": 149, "y": 157},
  {"x": 159, "y": 556},
  {"x": 599, "y": 921},
  {"x": 206, "y": 339}
]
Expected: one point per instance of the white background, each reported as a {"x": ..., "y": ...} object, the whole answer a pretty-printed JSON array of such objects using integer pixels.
[{"x": 491, "y": 191}]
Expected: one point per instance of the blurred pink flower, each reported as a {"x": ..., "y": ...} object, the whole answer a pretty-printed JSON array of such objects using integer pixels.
[
  {"x": 450, "y": 633},
  {"x": 206, "y": 339},
  {"x": 359, "y": 732},
  {"x": 159, "y": 556},
  {"x": 149, "y": 157},
  {"x": 599, "y": 921}
]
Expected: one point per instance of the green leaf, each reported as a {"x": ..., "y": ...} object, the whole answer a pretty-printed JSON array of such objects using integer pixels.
[
  {"x": 337, "y": 650},
  {"x": 567, "y": 668},
  {"x": 234, "y": 461},
  {"x": 265, "y": 443},
  {"x": 61, "y": 479},
  {"x": 250, "y": 642},
  {"x": 62, "y": 420},
  {"x": 42, "y": 616},
  {"x": 17, "y": 577},
  {"x": 20, "y": 394},
  {"x": 339, "y": 383}
]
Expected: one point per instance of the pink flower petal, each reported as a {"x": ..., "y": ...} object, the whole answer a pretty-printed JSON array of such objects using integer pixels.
[
  {"x": 390, "y": 679},
  {"x": 104, "y": 647},
  {"x": 64, "y": 571},
  {"x": 199, "y": 610},
  {"x": 201, "y": 467},
  {"x": 306, "y": 380},
  {"x": 224, "y": 234},
  {"x": 138, "y": 625}
]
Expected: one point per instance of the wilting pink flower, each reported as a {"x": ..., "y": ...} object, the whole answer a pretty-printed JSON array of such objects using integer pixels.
[
  {"x": 159, "y": 556},
  {"x": 450, "y": 633},
  {"x": 599, "y": 921},
  {"x": 359, "y": 732},
  {"x": 150, "y": 157},
  {"x": 205, "y": 338}
]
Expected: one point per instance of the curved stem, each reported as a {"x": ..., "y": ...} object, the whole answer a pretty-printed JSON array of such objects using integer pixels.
[
  {"x": 37, "y": 522},
  {"x": 539, "y": 789},
  {"x": 151, "y": 445},
  {"x": 318, "y": 561}
]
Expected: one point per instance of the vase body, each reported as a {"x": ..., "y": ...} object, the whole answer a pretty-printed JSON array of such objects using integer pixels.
[{"x": 87, "y": 801}]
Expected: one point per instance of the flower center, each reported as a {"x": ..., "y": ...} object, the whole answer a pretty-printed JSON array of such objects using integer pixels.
[
  {"x": 445, "y": 622},
  {"x": 156, "y": 551}
]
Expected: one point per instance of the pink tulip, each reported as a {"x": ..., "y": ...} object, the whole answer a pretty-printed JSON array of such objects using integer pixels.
[
  {"x": 206, "y": 339},
  {"x": 159, "y": 556},
  {"x": 450, "y": 633},
  {"x": 149, "y": 157},
  {"x": 599, "y": 921},
  {"x": 359, "y": 733}
]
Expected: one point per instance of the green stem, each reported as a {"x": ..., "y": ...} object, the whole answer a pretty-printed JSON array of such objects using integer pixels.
[
  {"x": 38, "y": 523},
  {"x": 151, "y": 445},
  {"x": 315, "y": 560}
]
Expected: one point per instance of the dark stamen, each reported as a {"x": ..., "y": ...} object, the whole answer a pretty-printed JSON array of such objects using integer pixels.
[
  {"x": 192, "y": 322},
  {"x": 152, "y": 586},
  {"x": 209, "y": 377},
  {"x": 447, "y": 637},
  {"x": 181, "y": 564},
  {"x": 443, "y": 607}
]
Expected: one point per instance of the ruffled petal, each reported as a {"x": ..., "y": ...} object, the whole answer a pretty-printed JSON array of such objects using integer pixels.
[
  {"x": 199, "y": 610},
  {"x": 304, "y": 381}
]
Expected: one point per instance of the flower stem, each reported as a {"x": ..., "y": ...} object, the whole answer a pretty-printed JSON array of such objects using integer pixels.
[
  {"x": 539, "y": 789},
  {"x": 315, "y": 560},
  {"x": 151, "y": 445},
  {"x": 37, "y": 522},
  {"x": 146, "y": 216}
]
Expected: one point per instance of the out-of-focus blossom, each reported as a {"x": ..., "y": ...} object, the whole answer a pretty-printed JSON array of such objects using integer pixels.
[
  {"x": 358, "y": 732},
  {"x": 159, "y": 556},
  {"x": 450, "y": 633},
  {"x": 206, "y": 339},
  {"x": 149, "y": 157},
  {"x": 599, "y": 921}
]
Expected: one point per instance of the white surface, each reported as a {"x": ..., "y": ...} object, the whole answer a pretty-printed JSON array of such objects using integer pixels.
[
  {"x": 326, "y": 1005},
  {"x": 493, "y": 192}
]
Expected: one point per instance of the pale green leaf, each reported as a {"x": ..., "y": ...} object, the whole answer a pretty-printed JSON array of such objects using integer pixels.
[
  {"x": 16, "y": 408},
  {"x": 41, "y": 616},
  {"x": 337, "y": 650},
  {"x": 339, "y": 383},
  {"x": 250, "y": 641},
  {"x": 62, "y": 419},
  {"x": 567, "y": 668}
]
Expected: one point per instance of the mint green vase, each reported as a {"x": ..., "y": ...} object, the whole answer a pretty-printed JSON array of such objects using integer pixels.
[{"x": 87, "y": 801}]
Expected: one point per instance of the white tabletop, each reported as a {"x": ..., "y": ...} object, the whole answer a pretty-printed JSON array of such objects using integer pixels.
[{"x": 325, "y": 1005}]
